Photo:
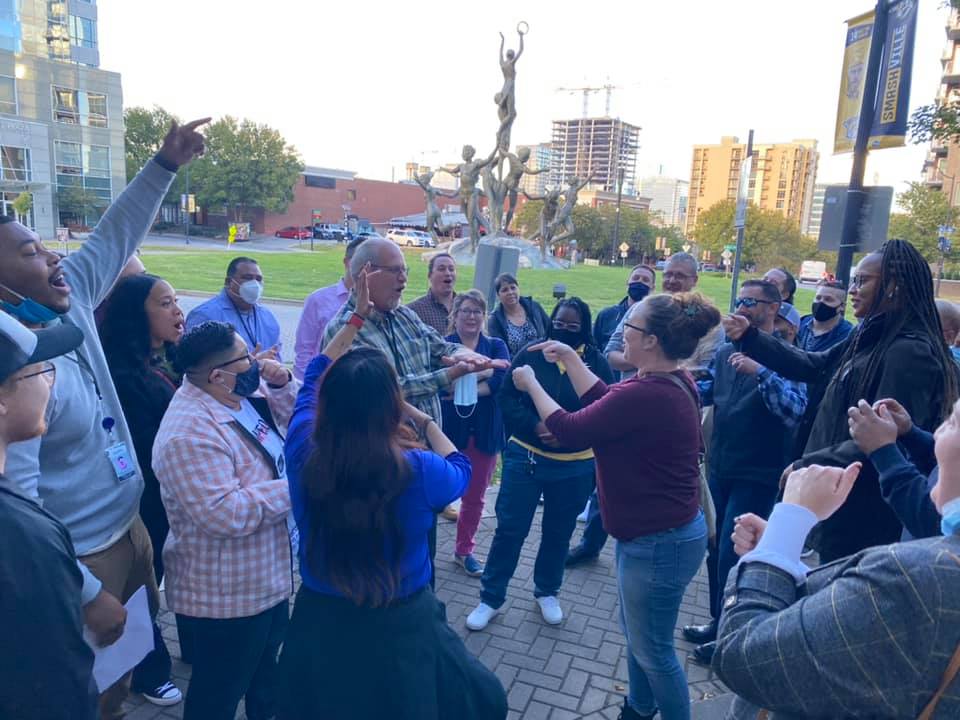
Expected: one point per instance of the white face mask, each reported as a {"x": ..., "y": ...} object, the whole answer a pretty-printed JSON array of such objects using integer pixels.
[
  {"x": 251, "y": 291},
  {"x": 465, "y": 392}
]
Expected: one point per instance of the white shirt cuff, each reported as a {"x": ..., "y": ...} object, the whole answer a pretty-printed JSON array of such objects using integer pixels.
[{"x": 782, "y": 541}]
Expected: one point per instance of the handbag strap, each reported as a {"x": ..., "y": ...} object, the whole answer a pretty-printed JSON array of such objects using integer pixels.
[
  {"x": 953, "y": 667},
  {"x": 693, "y": 398}
]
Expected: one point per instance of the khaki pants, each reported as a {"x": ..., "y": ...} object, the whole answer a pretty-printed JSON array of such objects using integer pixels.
[{"x": 123, "y": 568}]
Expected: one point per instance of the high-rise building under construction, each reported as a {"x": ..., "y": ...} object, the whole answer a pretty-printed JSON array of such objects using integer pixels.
[{"x": 597, "y": 147}]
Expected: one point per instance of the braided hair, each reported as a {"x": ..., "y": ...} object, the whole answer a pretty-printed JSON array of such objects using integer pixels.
[
  {"x": 906, "y": 284},
  {"x": 583, "y": 310}
]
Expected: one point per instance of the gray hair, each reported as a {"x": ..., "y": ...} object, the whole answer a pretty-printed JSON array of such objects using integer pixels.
[
  {"x": 367, "y": 252},
  {"x": 684, "y": 257}
]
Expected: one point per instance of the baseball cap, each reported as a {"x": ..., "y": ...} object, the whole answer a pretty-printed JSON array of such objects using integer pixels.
[
  {"x": 789, "y": 313},
  {"x": 20, "y": 346}
]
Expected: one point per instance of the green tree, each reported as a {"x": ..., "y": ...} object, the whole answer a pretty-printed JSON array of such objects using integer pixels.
[
  {"x": 245, "y": 166},
  {"x": 77, "y": 202},
  {"x": 143, "y": 136},
  {"x": 925, "y": 210},
  {"x": 23, "y": 204}
]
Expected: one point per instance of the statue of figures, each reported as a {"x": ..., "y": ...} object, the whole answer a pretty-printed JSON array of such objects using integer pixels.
[
  {"x": 551, "y": 202},
  {"x": 433, "y": 214},
  {"x": 496, "y": 192},
  {"x": 506, "y": 99},
  {"x": 564, "y": 219},
  {"x": 517, "y": 169},
  {"x": 469, "y": 173}
]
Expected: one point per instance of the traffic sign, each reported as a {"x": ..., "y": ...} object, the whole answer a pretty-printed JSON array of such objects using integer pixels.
[
  {"x": 726, "y": 254},
  {"x": 623, "y": 253},
  {"x": 624, "y": 247},
  {"x": 686, "y": 247}
]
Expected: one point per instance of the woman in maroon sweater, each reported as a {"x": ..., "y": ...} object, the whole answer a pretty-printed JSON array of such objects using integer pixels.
[{"x": 645, "y": 433}]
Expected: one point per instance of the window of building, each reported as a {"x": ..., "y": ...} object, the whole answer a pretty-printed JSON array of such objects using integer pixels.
[
  {"x": 87, "y": 167},
  {"x": 58, "y": 33},
  {"x": 15, "y": 163},
  {"x": 351, "y": 195},
  {"x": 96, "y": 109},
  {"x": 8, "y": 95},
  {"x": 319, "y": 182},
  {"x": 10, "y": 30},
  {"x": 66, "y": 106},
  {"x": 83, "y": 32}
]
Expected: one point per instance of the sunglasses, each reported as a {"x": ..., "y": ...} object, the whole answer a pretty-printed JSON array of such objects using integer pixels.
[{"x": 752, "y": 302}]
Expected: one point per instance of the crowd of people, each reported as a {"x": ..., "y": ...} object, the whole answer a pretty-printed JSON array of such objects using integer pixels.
[{"x": 139, "y": 446}]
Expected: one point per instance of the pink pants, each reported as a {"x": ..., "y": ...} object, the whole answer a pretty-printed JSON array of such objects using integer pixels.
[{"x": 471, "y": 504}]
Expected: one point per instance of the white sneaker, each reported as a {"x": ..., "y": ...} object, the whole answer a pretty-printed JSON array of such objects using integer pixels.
[
  {"x": 582, "y": 517},
  {"x": 550, "y": 610},
  {"x": 481, "y": 617}
]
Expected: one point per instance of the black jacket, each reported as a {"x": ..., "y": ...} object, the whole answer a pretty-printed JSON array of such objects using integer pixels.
[
  {"x": 520, "y": 416},
  {"x": 607, "y": 321},
  {"x": 909, "y": 373},
  {"x": 749, "y": 442},
  {"x": 497, "y": 322}
]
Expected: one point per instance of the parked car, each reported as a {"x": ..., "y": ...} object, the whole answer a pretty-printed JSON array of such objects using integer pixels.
[
  {"x": 405, "y": 237},
  {"x": 370, "y": 235},
  {"x": 329, "y": 231},
  {"x": 710, "y": 267},
  {"x": 294, "y": 233},
  {"x": 812, "y": 271}
]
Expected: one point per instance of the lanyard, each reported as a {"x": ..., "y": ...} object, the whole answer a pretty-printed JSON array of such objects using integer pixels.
[{"x": 253, "y": 336}]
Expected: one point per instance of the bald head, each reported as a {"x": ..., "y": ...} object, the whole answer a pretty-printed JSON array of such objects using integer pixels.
[
  {"x": 949, "y": 320},
  {"x": 390, "y": 271}
]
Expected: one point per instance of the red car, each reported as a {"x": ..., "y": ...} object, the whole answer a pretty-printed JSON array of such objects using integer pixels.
[{"x": 294, "y": 233}]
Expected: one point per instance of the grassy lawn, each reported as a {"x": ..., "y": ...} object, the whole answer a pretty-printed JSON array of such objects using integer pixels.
[{"x": 293, "y": 276}]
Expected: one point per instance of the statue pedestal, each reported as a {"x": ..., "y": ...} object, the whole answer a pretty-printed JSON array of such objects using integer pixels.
[{"x": 530, "y": 256}]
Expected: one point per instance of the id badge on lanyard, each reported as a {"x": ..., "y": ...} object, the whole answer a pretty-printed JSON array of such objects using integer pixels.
[{"x": 118, "y": 454}]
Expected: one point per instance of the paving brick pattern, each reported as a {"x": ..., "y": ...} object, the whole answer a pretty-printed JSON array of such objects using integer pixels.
[{"x": 574, "y": 670}]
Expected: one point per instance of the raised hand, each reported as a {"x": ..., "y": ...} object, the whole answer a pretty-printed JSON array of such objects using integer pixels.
[
  {"x": 553, "y": 350},
  {"x": 183, "y": 143},
  {"x": 822, "y": 490},
  {"x": 524, "y": 378},
  {"x": 362, "y": 291},
  {"x": 734, "y": 326},
  {"x": 274, "y": 373}
]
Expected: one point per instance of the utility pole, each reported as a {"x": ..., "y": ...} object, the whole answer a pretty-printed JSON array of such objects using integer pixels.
[
  {"x": 616, "y": 224},
  {"x": 856, "y": 195},
  {"x": 186, "y": 213}
]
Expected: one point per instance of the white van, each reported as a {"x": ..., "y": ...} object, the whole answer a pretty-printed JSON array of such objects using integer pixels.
[{"x": 813, "y": 271}]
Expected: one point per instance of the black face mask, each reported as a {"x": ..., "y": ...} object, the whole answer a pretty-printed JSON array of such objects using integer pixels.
[
  {"x": 567, "y": 337},
  {"x": 823, "y": 312},
  {"x": 637, "y": 291}
]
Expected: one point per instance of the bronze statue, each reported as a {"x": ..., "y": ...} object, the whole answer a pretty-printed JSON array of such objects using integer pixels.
[
  {"x": 564, "y": 219},
  {"x": 551, "y": 203},
  {"x": 517, "y": 169},
  {"x": 496, "y": 192},
  {"x": 469, "y": 173},
  {"x": 433, "y": 214}
]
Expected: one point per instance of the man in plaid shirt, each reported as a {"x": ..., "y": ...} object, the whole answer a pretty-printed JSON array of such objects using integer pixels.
[{"x": 755, "y": 411}]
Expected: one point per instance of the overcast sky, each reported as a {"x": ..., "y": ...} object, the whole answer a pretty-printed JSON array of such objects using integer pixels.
[{"x": 368, "y": 86}]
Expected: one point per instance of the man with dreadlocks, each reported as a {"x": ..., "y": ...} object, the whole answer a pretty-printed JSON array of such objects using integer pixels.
[{"x": 896, "y": 352}]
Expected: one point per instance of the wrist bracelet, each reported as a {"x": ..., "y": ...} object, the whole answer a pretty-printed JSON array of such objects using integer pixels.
[{"x": 356, "y": 320}]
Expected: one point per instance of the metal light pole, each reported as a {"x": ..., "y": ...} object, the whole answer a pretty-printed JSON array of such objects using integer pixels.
[
  {"x": 748, "y": 158},
  {"x": 856, "y": 196},
  {"x": 186, "y": 214},
  {"x": 616, "y": 225}
]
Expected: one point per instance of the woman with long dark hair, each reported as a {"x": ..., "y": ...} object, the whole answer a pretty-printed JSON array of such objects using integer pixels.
[
  {"x": 141, "y": 324},
  {"x": 364, "y": 498},
  {"x": 898, "y": 352},
  {"x": 535, "y": 464}
]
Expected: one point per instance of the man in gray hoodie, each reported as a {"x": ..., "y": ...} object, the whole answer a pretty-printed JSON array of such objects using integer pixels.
[{"x": 84, "y": 470}]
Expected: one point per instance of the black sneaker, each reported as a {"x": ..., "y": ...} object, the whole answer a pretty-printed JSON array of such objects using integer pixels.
[
  {"x": 628, "y": 713},
  {"x": 703, "y": 654},
  {"x": 579, "y": 555},
  {"x": 166, "y": 694}
]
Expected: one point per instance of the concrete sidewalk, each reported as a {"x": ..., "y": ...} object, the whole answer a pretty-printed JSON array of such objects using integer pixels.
[{"x": 573, "y": 670}]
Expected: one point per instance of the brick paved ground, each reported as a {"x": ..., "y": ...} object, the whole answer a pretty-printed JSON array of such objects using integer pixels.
[{"x": 574, "y": 670}]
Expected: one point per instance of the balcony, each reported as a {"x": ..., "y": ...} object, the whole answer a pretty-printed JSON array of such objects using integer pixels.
[
  {"x": 938, "y": 148},
  {"x": 951, "y": 73},
  {"x": 953, "y": 25}
]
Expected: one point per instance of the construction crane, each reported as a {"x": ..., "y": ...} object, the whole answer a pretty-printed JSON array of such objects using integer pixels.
[{"x": 586, "y": 95}]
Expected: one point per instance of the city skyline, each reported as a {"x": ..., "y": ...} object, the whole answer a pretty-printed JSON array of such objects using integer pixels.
[{"x": 414, "y": 87}]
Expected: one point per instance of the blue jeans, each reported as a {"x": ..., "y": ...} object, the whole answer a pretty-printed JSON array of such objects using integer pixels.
[
  {"x": 565, "y": 486},
  {"x": 594, "y": 536},
  {"x": 653, "y": 572},
  {"x": 732, "y": 498}
]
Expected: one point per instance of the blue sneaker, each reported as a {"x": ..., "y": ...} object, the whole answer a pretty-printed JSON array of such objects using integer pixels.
[{"x": 469, "y": 564}]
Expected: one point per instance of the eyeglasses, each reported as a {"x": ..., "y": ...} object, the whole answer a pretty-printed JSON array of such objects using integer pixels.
[
  {"x": 248, "y": 356},
  {"x": 752, "y": 302},
  {"x": 48, "y": 369},
  {"x": 393, "y": 269},
  {"x": 561, "y": 325},
  {"x": 638, "y": 329},
  {"x": 470, "y": 312},
  {"x": 859, "y": 279}
]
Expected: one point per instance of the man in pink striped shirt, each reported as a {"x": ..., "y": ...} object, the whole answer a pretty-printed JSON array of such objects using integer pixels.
[{"x": 319, "y": 307}]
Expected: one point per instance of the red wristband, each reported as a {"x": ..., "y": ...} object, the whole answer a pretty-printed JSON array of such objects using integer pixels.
[{"x": 356, "y": 320}]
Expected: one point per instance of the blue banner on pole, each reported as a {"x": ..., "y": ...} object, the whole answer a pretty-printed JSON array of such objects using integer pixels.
[{"x": 893, "y": 94}]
